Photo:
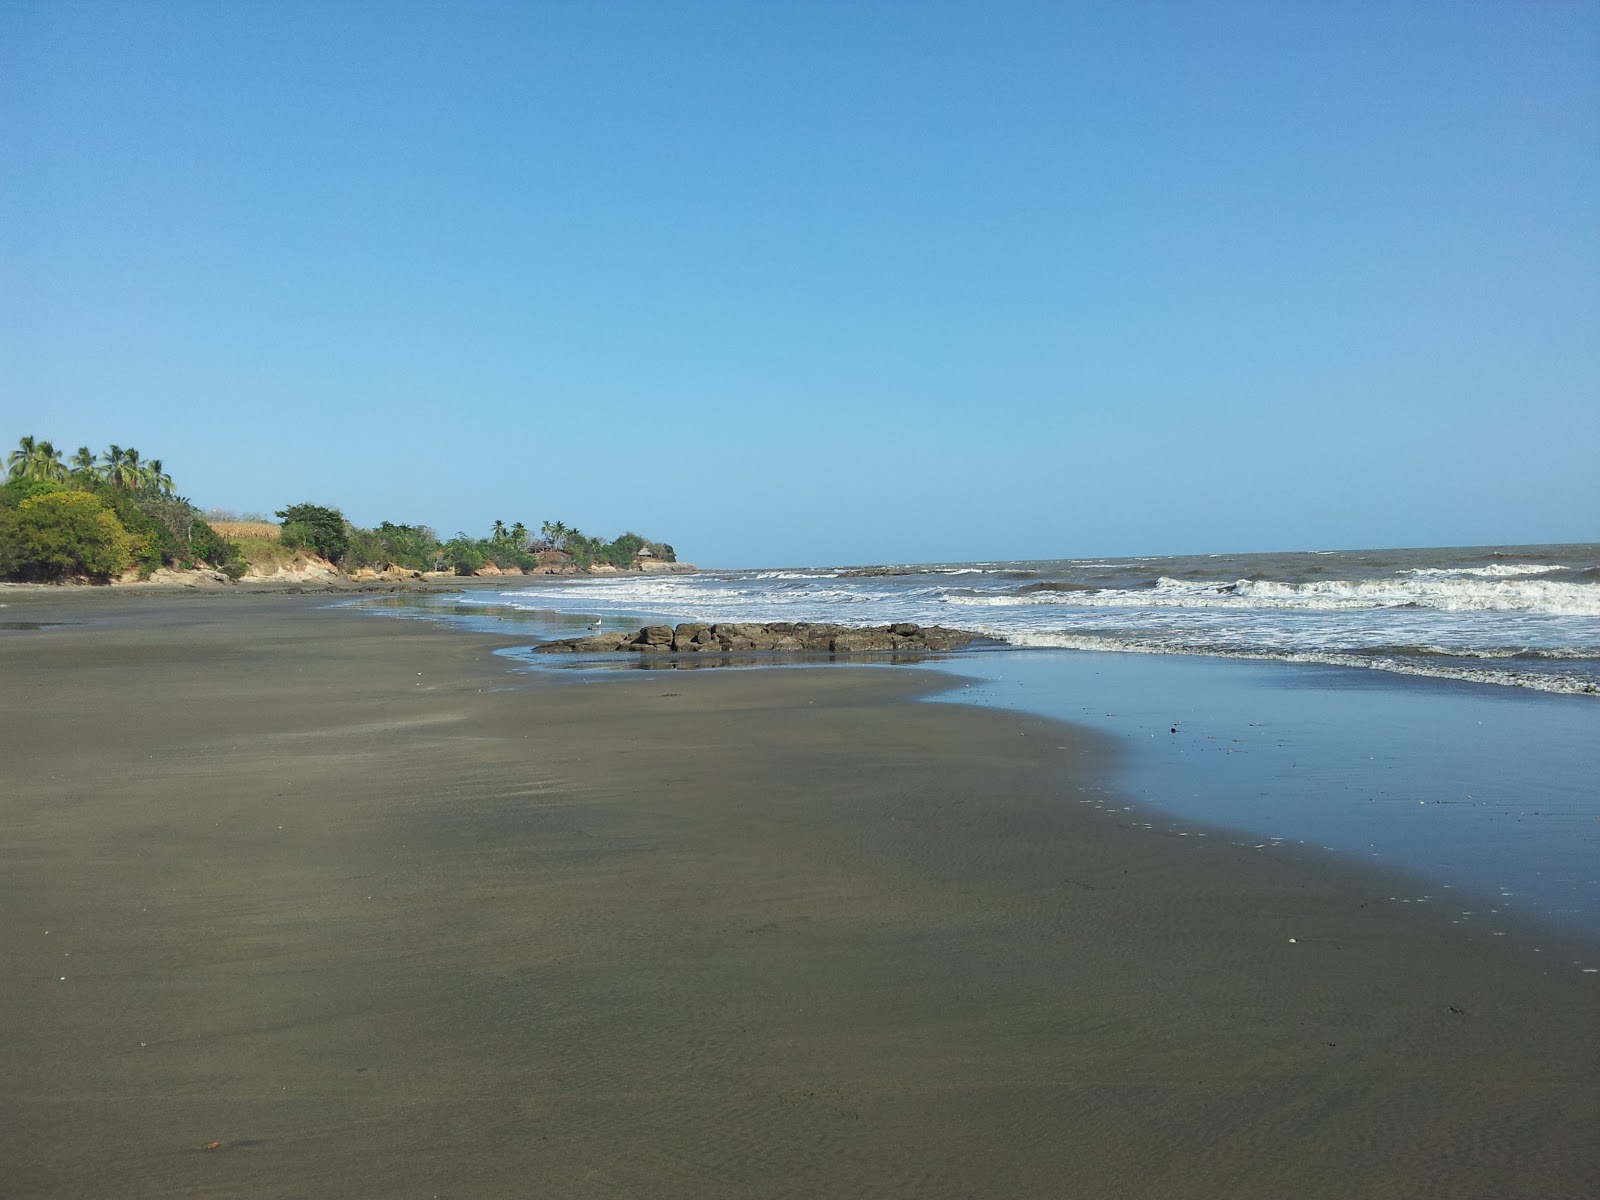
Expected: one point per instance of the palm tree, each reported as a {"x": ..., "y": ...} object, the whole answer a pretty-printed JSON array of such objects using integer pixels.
[
  {"x": 155, "y": 477},
  {"x": 36, "y": 460},
  {"x": 115, "y": 472},
  {"x": 499, "y": 534},
  {"x": 519, "y": 535},
  {"x": 82, "y": 463},
  {"x": 50, "y": 464},
  {"x": 17, "y": 461},
  {"x": 135, "y": 469}
]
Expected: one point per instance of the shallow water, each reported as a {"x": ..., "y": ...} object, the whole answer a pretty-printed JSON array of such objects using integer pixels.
[{"x": 1488, "y": 793}]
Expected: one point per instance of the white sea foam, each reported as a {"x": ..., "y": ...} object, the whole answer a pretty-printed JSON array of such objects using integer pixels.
[
  {"x": 1538, "y": 681},
  {"x": 1450, "y": 594},
  {"x": 1503, "y": 625},
  {"x": 1445, "y": 593},
  {"x": 794, "y": 575},
  {"x": 1492, "y": 571}
]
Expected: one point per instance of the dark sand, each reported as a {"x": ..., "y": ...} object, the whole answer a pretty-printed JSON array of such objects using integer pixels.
[{"x": 324, "y": 891}]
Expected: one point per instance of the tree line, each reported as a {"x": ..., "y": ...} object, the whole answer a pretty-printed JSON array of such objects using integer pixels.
[
  {"x": 326, "y": 532},
  {"x": 98, "y": 516}
]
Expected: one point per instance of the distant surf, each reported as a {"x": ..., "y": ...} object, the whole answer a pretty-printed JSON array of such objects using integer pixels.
[{"x": 1521, "y": 616}]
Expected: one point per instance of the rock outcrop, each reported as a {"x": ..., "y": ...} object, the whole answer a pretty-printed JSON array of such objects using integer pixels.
[
  {"x": 301, "y": 568},
  {"x": 392, "y": 572},
  {"x": 696, "y": 637}
]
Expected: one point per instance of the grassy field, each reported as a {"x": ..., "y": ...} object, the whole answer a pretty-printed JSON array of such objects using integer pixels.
[{"x": 234, "y": 530}]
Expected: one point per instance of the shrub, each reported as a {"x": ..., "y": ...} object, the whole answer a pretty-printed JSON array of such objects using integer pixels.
[
  {"x": 464, "y": 554},
  {"x": 14, "y": 493},
  {"x": 321, "y": 530},
  {"x": 151, "y": 542},
  {"x": 60, "y": 533},
  {"x": 206, "y": 544}
]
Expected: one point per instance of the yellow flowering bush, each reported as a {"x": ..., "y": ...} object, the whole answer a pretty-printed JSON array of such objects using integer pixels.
[{"x": 61, "y": 533}]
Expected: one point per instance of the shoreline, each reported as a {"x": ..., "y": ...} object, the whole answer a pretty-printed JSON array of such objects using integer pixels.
[
  {"x": 395, "y": 918},
  {"x": 203, "y": 585}
]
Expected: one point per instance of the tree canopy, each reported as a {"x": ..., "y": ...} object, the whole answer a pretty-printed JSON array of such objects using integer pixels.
[
  {"x": 58, "y": 533},
  {"x": 319, "y": 529},
  {"x": 157, "y": 526}
]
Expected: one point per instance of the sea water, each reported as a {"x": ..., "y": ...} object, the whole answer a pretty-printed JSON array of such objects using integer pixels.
[
  {"x": 1486, "y": 795},
  {"x": 1526, "y": 616},
  {"x": 1436, "y": 711}
]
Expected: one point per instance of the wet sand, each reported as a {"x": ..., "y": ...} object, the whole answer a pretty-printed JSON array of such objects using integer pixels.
[{"x": 380, "y": 918}]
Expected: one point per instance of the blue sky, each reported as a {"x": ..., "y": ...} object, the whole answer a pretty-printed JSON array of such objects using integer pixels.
[{"x": 789, "y": 283}]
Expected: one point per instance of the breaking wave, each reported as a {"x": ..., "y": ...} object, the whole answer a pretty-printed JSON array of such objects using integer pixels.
[
  {"x": 1446, "y": 592},
  {"x": 1523, "y": 616}
]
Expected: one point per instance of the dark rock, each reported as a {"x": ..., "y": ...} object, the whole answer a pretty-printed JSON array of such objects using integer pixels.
[
  {"x": 697, "y": 637},
  {"x": 600, "y": 642},
  {"x": 856, "y": 641}
]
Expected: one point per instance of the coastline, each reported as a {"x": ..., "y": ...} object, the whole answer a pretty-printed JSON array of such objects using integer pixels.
[
  {"x": 205, "y": 583},
  {"x": 390, "y": 919}
]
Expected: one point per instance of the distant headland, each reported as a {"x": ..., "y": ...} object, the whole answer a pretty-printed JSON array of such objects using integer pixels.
[{"x": 117, "y": 518}]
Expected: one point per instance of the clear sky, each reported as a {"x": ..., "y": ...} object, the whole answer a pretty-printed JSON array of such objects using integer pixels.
[{"x": 791, "y": 283}]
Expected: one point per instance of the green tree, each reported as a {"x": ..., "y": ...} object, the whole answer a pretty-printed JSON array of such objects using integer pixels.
[
  {"x": 117, "y": 469},
  {"x": 61, "y": 533},
  {"x": 17, "y": 461},
  {"x": 317, "y": 528},
  {"x": 155, "y": 478},
  {"x": 153, "y": 542},
  {"x": 581, "y": 546},
  {"x": 36, "y": 460},
  {"x": 83, "y": 464},
  {"x": 14, "y": 491},
  {"x": 555, "y": 533},
  {"x": 207, "y": 545},
  {"x": 465, "y": 555},
  {"x": 623, "y": 551},
  {"x": 415, "y": 547}
]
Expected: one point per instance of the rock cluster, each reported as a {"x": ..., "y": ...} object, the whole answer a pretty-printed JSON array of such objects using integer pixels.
[{"x": 793, "y": 637}]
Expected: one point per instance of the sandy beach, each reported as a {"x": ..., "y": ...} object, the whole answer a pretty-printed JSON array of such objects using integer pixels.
[{"x": 299, "y": 902}]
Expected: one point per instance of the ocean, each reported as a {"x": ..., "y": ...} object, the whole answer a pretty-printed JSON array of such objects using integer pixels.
[
  {"x": 1432, "y": 712},
  {"x": 1525, "y": 616}
]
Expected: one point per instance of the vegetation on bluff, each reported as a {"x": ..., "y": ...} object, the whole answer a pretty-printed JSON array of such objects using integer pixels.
[
  {"x": 327, "y": 533},
  {"x": 97, "y": 516},
  {"x": 54, "y": 533}
]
